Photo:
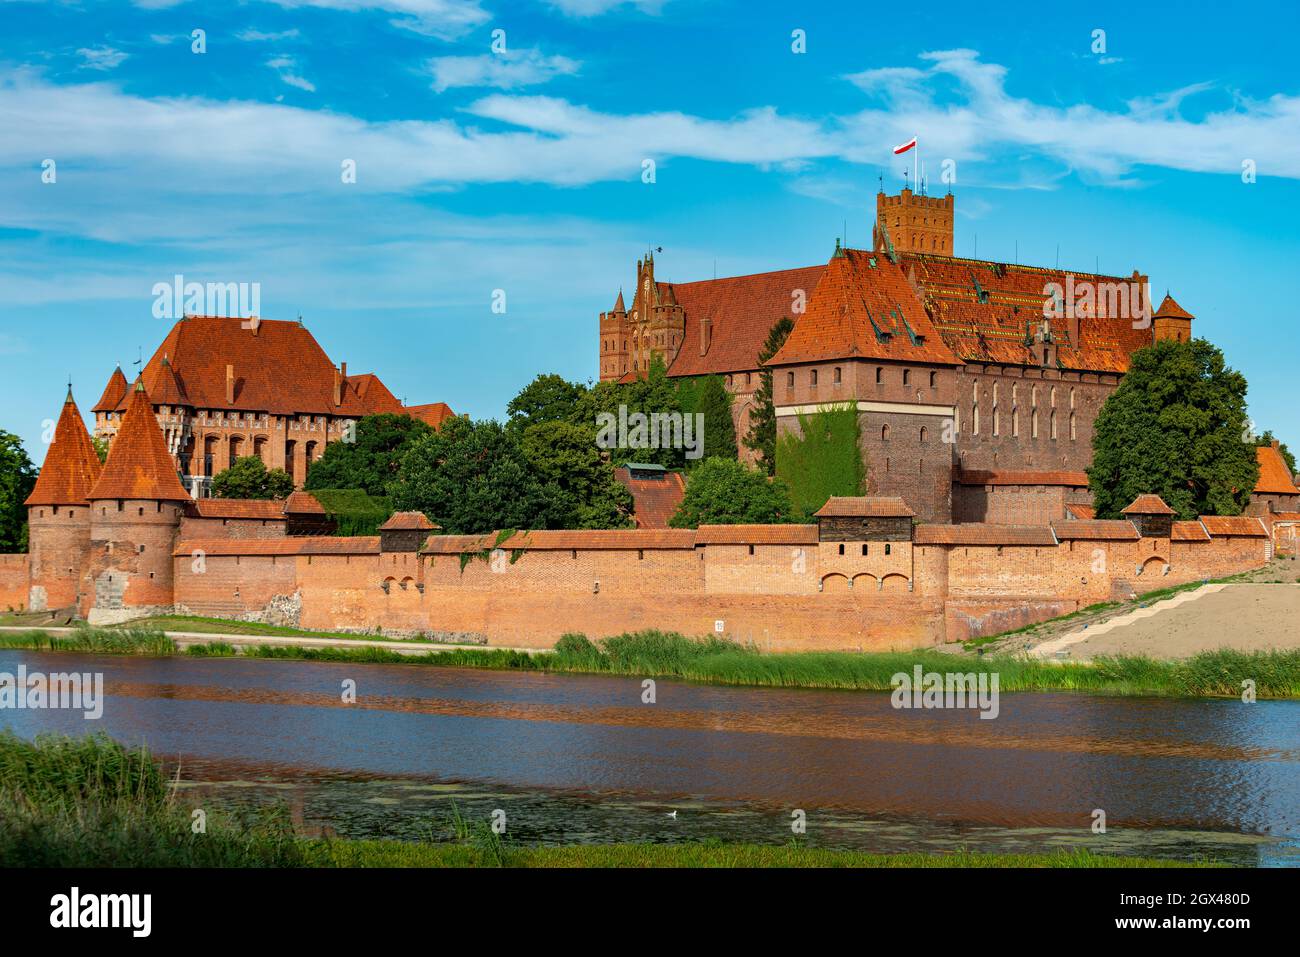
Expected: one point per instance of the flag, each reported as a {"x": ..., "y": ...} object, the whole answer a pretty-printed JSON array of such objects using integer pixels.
[{"x": 906, "y": 146}]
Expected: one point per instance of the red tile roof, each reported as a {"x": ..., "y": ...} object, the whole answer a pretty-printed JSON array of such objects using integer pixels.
[
  {"x": 457, "y": 544},
  {"x": 1098, "y": 529},
  {"x": 239, "y": 508},
  {"x": 1243, "y": 526},
  {"x": 601, "y": 539},
  {"x": 1081, "y": 511},
  {"x": 742, "y": 310},
  {"x": 303, "y": 503},
  {"x": 1147, "y": 505},
  {"x": 433, "y": 414},
  {"x": 982, "y": 534},
  {"x": 855, "y": 506},
  {"x": 1021, "y": 477},
  {"x": 1274, "y": 477},
  {"x": 656, "y": 498},
  {"x": 293, "y": 545},
  {"x": 1284, "y": 517},
  {"x": 139, "y": 465},
  {"x": 863, "y": 307},
  {"x": 756, "y": 535},
  {"x": 1169, "y": 309},
  {"x": 278, "y": 368},
  {"x": 408, "y": 521},
  {"x": 71, "y": 466},
  {"x": 1188, "y": 532},
  {"x": 114, "y": 392}
]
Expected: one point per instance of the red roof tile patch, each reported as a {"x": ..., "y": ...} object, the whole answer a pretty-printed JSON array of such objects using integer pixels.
[
  {"x": 1188, "y": 532},
  {"x": 293, "y": 545},
  {"x": 1022, "y": 477},
  {"x": 1169, "y": 309},
  {"x": 1081, "y": 511},
  {"x": 1274, "y": 477},
  {"x": 433, "y": 414},
  {"x": 1284, "y": 516},
  {"x": 407, "y": 521},
  {"x": 114, "y": 392},
  {"x": 303, "y": 503},
  {"x": 756, "y": 535},
  {"x": 264, "y": 509},
  {"x": 602, "y": 539},
  {"x": 1097, "y": 529},
  {"x": 139, "y": 465},
  {"x": 864, "y": 506},
  {"x": 982, "y": 534},
  {"x": 1147, "y": 505},
  {"x": 1243, "y": 526},
  {"x": 457, "y": 544},
  {"x": 71, "y": 465},
  {"x": 655, "y": 498}
]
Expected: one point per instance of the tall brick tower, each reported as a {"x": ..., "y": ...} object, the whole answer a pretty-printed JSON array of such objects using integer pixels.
[
  {"x": 615, "y": 340},
  {"x": 136, "y": 507},
  {"x": 913, "y": 223},
  {"x": 654, "y": 326},
  {"x": 58, "y": 513},
  {"x": 1172, "y": 321}
]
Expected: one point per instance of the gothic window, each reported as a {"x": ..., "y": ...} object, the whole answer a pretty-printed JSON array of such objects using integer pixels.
[
  {"x": 884, "y": 433},
  {"x": 1053, "y": 397},
  {"x": 934, "y": 377},
  {"x": 1072, "y": 398},
  {"x": 1052, "y": 420},
  {"x": 1033, "y": 424},
  {"x": 975, "y": 409},
  {"x": 923, "y": 434},
  {"x": 1015, "y": 422},
  {"x": 879, "y": 371},
  {"x": 907, "y": 375},
  {"x": 1073, "y": 434},
  {"x": 789, "y": 379}
]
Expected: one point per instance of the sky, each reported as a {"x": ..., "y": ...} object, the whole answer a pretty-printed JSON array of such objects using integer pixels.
[{"x": 503, "y": 146}]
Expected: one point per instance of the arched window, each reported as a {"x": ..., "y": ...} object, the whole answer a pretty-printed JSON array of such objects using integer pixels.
[
  {"x": 1052, "y": 424},
  {"x": 1033, "y": 424},
  {"x": 1053, "y": 397},
  {"x": 1033, "y": 397},
  {"x": 934, "y": 378},
  {"x": 878, "y": 371},
  {"x": 789, "y": 379},
  {"x": 924, "y": 433},
  {"x": 884, "y": 433},
  {"x": 1015, "y": 422},
  {"x": 1072, "y": 398},
  {"x": 907, "y": 376},
  {"x": 975, "y": 409},
  {"x": 1073, "y": 434}
]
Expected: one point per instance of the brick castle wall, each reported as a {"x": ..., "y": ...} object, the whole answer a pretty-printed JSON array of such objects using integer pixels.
[{"x": 15, "y": 583}]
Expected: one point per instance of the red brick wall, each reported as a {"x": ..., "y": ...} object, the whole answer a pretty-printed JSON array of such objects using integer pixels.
[
  {"x": 58, "y": 540},
  {"x": 14, "y": 583},
  {"x": 236, "y": 528}
]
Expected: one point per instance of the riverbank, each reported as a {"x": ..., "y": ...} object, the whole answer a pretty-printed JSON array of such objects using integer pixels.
[
  {"x": 91, "y": 802},
  {"x": 712, "y": 660}
]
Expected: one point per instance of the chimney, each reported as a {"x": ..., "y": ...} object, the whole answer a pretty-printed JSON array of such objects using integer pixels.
[
  {"x": 338, "y": 388},
  {"x": 706, "y": 334},
  {"x": 230, "y": 385},
  {"x": 1277, "y": 443},
  {"x": 1074, "y": 329}
]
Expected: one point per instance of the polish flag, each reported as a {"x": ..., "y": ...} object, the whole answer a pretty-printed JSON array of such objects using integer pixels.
[{"x": 905, "y": 147}]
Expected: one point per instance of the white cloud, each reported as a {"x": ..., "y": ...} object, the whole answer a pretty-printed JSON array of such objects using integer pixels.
[
  {"x": 257, "y": 36},
  {"x": 286, "y": 67},
  {"x": 594, "y": 8},
  {"x": 503, "y": 71},
  {"x": 101, "y": 58},
  {"x": 445, "y": 19}
]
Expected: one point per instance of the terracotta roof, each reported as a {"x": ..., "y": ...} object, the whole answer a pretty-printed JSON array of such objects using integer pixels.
[
  {"x": 434, "y": 414},
  {"x": 1081, "y": 511},
  {"x": 139, "y": 465},
  {"x": 1171, "y": 310},
  {"x": 655, "y": 496},
  {"x": 1284, "y": 516},
  {"x": 1244, "y": 526},
  {"x": 1274, "y": 477},
  {"x": 602, "y": 539},
  {"x": 1147, "y": 505},
  {"x": 114, "y": 392},
  {"x": 872, "y": 506},
  {"x": 292, "y": 545},
  {"x": 863, "y": 307},
  {"x": 303, "y": 503},
  {"x": 741, "y": 310},
  {"x": 264, "y": 509},
  {"x": 1021, "y": 477},
  {"x": 982, "y": 534},
  {"x": 1099, "y": 529},
  {"x": 1188, "y": 532},
  {"x": 71, "y": 466},
  {"x": 278, "y": 367},
  {"x": 756, "y": 535},
  {"x": 985, "y": 312},
  {"x": 408, "y": 521},
  {"x": 456, "y": 544}
]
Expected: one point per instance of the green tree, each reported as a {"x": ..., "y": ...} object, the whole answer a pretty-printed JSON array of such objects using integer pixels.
[
  {"x": 708, "y": 396},
  {"x": 655, "y": 393},
  {"x": 17, "y": 478},
  {"x": 369, "y": 459},
  {"x": 472, "y": 477},
  {"x": 1176, "y": 426},
  {"x": 548, "y": 398},
  {"x": 564, "y": 458},
  {"x": 822, "y": 457},
  {"x": 762, "y": 418},
  {"x": 101, "y": 448},
  {"x": 250, "y": 478},
  {"x": 1267, "y": 439},
  {"x": 723, "y": 491}
]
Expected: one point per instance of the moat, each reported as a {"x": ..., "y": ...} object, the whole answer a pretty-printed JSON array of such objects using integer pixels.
[{"x": 583, "y": 759}]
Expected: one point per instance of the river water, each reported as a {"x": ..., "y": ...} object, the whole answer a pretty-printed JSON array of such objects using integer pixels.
[{"x": 585, "y": 759}]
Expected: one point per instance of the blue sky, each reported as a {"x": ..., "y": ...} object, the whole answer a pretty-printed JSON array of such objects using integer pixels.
[{"x": 522, "y": 171}]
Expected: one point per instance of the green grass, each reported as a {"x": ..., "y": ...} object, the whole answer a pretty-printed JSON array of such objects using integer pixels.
[
  {"x": 93, "y": 803},
  {"x": 229, "y": 626},
  {"x": 96, "y": 641}
]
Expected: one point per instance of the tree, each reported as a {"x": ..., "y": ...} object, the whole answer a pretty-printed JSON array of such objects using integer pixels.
[
  {"x": 1176, "y": 426},
  {"x": 370, "y": 458},
  {"x": 101, "y": 448},
  {"x": 727, "y": 492},
  {"x": 472, "y": 477},
  {"x": 17, "y": 478},
  {"x": 708, "y": 397},
  {"x": 250, "y": 478},
  {"x": 1267, "y": 439},
  {"x": 624, "y": 401},
  {"x": 762, "y": 418},
  {"x": 565, "y": 458},
  {"x": 548, "y": 398}
]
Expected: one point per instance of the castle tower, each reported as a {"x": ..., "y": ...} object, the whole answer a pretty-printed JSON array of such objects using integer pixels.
[
  {"x": 58, "y": 513},
  {"x": 136, "y": 508},
  {"x": 615, "y": 338},
  {"x": 1172, "y": 321},
  {"x": 106, "y": 418},
  {"x": 913, "y": 223}
]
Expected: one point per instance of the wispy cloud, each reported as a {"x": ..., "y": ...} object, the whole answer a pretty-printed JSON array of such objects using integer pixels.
[
  {"x": 594, "y": 8},
  {"x": 503, "y": 71},
  {"x": 257, "y": 36},
  {"x": 286, "y": 67},
  {"x": 445, "y": 19},
  {"x": 101, "y": 57}
]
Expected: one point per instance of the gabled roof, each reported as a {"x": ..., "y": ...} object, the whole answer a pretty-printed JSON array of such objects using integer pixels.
[
  {"x": 982, "y": 534},
  {"x": 1188, "y": 532},
  {"x": 742, "y": 311},
  {"x": 1169, "y": 309},
  {"x": 408, "y": 521},
  {"x": 433, "y": 414},
  {"x": 1097, "y": 529},
  {"x": 139, "y": 465},
  {"x": 303, "y": 503},
  {"x": 600, "y": 539},
  {"x": 1274, "y": 476},
  {"x": 864, "y": 506},
  {"x": 864, "y": 308},
  {"x": 239, "y": 508},
  {"x": 71, "y": 466},
  {"x": 756, "y": 535},
  {"x": 654, "y": 499},
  {"x": 114, "y": 392},
  {"x": 1081, "y": 510},
  {"x": 1147, "y": 505},
  {"x": 1234, "y": 525}
]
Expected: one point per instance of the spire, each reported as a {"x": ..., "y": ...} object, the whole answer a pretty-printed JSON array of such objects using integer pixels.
[
  {"x": 71, "y": 465},
  {"x": 139, "y": 465},
  {"x": 1169, "y": 309},
  {"x": 113, "y": 392},
  {"x": 618, "y": 304}
]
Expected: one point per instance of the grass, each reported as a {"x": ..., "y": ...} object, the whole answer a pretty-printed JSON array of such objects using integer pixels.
[
  {"x": 93, "y": 803},
  {"x": 94, "y": 641}
]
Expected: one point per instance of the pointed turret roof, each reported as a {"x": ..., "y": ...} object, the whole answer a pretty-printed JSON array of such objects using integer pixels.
[
  {"x": 113, "y": 392},
  {"x": 618, "y": 304},
  {"x": 71, "y": 465},
  {"x": 139, "y": 465},
  {"x": 1171, "y": 310}
]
